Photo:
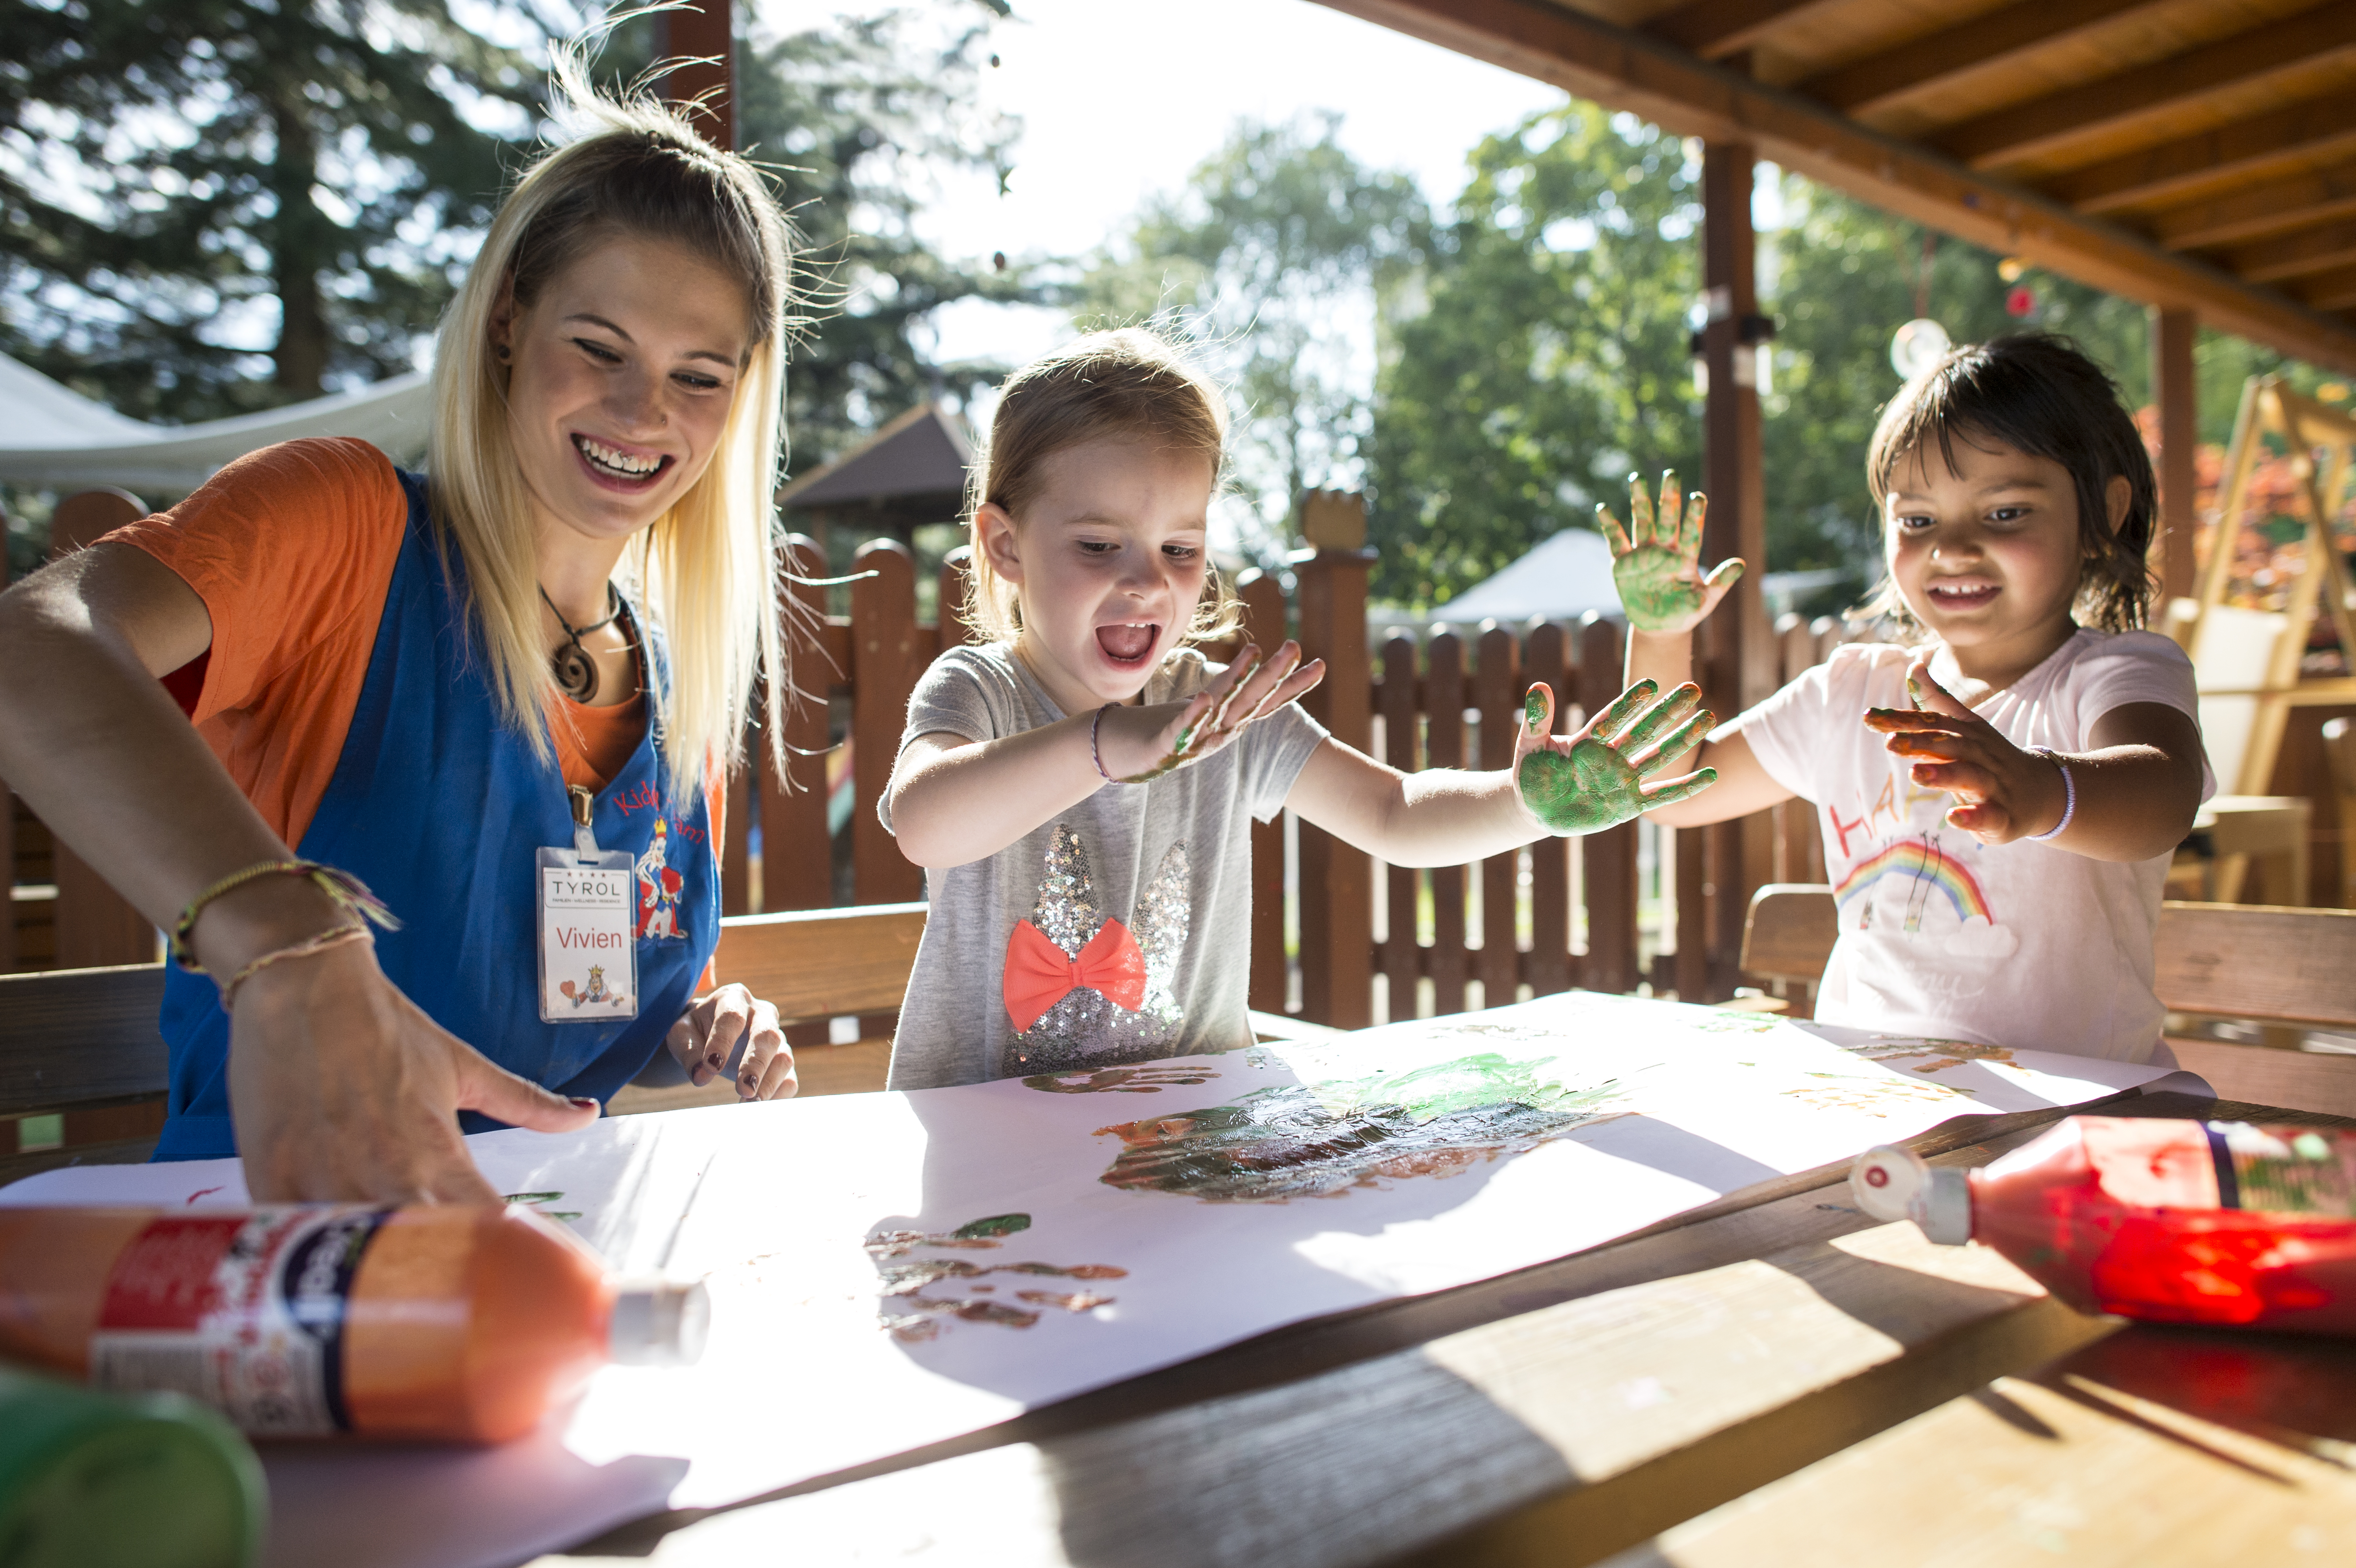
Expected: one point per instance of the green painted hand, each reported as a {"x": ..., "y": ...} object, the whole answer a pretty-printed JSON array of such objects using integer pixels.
[
  {"x": 1657, "y": 560},
  {"x": 1604, "y": 774}
]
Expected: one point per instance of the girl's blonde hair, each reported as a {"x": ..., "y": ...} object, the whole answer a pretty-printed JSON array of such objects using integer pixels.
[
  {"x": 706, "y": 572},
  {"x": 1128, "y": 384}
]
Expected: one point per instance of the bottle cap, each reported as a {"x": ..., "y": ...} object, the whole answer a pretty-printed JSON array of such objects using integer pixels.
[
  {"x": 659, "y": 1323},
  {"x": 1942, "y": 1206},
  {"x": 1885, "y": 1179}
]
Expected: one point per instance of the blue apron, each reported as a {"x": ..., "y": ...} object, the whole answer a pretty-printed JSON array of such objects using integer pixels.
[{"x": 438, "y": 805}]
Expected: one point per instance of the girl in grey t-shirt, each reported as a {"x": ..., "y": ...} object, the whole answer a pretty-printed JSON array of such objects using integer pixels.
[{"x": 1079, "y": 787}]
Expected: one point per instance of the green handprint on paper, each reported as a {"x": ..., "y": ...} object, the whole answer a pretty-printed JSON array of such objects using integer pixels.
[
  {"x": 1657, "y": 560},
  {"x": 1602, "y": 777}
]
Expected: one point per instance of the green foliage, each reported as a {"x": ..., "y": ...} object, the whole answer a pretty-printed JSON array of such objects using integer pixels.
[
  {"x": 1275, "y": 261},
  {"x": 194, "y": 194},
  {"x": 1550, "y": 358}
]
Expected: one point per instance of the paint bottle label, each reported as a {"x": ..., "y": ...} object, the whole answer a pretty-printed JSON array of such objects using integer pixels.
[
  {"x": 244, "y": 1312},
  {"x": 2284, "y": 1171}
]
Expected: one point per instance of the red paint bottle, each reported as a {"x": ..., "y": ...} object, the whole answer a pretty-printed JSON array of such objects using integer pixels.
[{"x": 2173, "y": 1221}]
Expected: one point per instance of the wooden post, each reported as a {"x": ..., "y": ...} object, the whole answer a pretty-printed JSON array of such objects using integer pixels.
[
  {"x": 95, "y": 925},
  {"x": 1737, "y": 652},
  {"x": 1546, "y": 658},
  {"x": 1337, "y": 911},
  {"x": 1608, "y": 863},
  {"x": 1401, "y": 713},
  {"x": 1499, "y": 695},
  {"x": 1271, "y": 984},
  {"x": 885, "y": 666},
  {"x": 702, "y": 36},
  {"x": 1444, "y": 747},
  {"x": 797, "y": 855},
  {"x": 8, "y": 829},
  {"x": 2172, "y": 334}
]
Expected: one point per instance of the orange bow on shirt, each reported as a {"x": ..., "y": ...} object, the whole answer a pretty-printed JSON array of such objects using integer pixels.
[{"x": 1038, "y": 975}]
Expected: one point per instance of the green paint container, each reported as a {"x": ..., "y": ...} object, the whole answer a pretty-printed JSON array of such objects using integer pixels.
[{"x": 91, "y": 1480}]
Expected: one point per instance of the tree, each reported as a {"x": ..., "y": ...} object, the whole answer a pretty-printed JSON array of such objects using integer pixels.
[
  {"x": 1551, "y": 356},
  {"x": 193, "y": 193},
  {"x": 1276, "y": 260}
]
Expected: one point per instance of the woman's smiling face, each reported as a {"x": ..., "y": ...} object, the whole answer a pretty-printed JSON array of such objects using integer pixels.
[{"x": 621, "y": 375}]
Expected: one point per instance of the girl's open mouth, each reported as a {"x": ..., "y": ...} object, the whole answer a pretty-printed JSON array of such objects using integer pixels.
[
  {"x": 616, "y": 468},
  {"x": 1129, "y": 643},
  {"x": 1962, "y": 595}
]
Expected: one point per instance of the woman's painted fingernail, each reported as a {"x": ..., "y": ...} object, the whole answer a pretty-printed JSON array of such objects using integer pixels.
[{"x": 584, "y": 1103}]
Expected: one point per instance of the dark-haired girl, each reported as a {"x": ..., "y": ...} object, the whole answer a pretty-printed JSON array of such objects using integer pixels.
[{"x": 1999, "y": 793}]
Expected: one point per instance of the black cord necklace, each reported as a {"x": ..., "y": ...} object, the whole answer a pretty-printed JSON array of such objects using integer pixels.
[{"x": 575, "y": 670}]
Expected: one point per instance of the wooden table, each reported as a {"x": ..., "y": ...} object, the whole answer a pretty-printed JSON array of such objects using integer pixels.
[{"x": 1583, "y": 1408}]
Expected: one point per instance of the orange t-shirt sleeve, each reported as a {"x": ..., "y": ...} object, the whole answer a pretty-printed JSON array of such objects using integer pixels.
[{"x": 291, "y": 548}]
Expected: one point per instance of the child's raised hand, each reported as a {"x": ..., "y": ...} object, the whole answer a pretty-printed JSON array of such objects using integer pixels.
[
  {"x": 1602, "y": 777},
  {"x": 1137, "y": 745},
  {"x": 2002, "y": 793},
  {"x": 1656, "y": 561}
]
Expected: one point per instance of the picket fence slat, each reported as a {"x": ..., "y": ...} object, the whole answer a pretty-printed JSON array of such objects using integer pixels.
[
  {"x": 1546, "y": 658},
  {"x": 1443, "y": 687},
  {"x": 1402, "y": 951},
  {"x": 1497, "y": 695}
]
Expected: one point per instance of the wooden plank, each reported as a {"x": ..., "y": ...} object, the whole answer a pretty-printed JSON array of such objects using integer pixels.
[
  {"x": 1336, "y": 885},
  {"x": 2297, "y": 256},
  {"x": 1627, "y": 68},
  {"x": 2278, "y": 142},
  {"x": 120, "y": 1151},
  {"x": 1637, "y": 1401},
  {"x": 797, "y": 855},
  {"x": 1716, "y": 29},
  {"x": 80, "y": 1037},
  {"x": 2335, "y": 289},
  {"x": 1932, "y": 60},
  {"x": 2151, "y": 1445},
  {"x": 2268, "y": 207},
  {"x": 1497, "y": 693},
  {"x": 1401, "y": 746},
  {"x": 1547, "y": 659},
  {"x": 883, "y": 623},
  {"x": 1607, "y": 859},
  {"x": 1263, "y": 599},
  {"x": 2257, "y": 962},
  {"x": 1791, "y": 932},
  {"x": 823, "y": 963},
  {"x": 2024, "y": 131},
  {"x": 2172, "y": 373},
  {"x": 1443, "y": 686},
  {"x": 2322, "y": 1082}
]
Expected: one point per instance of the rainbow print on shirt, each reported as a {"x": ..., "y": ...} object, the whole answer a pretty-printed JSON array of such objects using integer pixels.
[{"x": 1925, "y": 868}]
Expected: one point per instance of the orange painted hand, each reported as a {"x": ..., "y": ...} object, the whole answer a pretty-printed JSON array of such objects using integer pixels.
[{"x": 2002, "y": 793}]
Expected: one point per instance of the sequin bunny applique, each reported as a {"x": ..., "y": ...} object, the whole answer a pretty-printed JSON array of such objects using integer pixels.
[{"x": 1080, "y": 987}]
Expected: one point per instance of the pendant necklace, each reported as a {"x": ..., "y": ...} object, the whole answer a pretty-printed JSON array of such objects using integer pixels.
[{"x": 575, "y": 670}]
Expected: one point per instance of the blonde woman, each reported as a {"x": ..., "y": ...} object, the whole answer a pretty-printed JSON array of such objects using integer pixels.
[{"x": 494, "y": 700}]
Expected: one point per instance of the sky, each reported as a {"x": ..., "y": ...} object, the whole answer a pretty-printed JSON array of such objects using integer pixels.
[{"x": 1117, "y": 103}]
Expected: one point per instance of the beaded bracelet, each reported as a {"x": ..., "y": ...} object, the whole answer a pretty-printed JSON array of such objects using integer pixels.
[
  {"x": 347, "y": 890},
  {"x": 334, "y": 936},
  {"x": 1094, "y": 726},
  {"x": 2068, "y": 794}
]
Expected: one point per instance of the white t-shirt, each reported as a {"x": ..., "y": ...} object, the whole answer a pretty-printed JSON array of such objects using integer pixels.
[{"x": 2020, "y": 945}]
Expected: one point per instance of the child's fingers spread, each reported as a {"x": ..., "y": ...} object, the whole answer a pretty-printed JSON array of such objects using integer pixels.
[
  {"x": 1677, "y": 743},
  {"x": 1640, "y": 511},
  {"x": 1622, "y": 708},
  {"x": 1613, "y": 534},
  {"x": 1669, "y": 792},
  {"x": 1919, "y": 743},
  {"x": 1930, "y": 696},
  {"x": 1672, "y": 514},
  {"x": 1537, "y": 709},
  {"x": 1915, "y": 721},
  {"x": 1725, "y": 574},
  {"x": 1697, "y": 509},
  {"x": 1660, "y": 717}
]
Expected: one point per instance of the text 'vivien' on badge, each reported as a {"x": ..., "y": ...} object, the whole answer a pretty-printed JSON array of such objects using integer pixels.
[{"x": 588, "y": 937}]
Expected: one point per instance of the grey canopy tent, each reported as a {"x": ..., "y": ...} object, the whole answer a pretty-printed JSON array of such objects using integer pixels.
[{"x": 55, "y": 438}]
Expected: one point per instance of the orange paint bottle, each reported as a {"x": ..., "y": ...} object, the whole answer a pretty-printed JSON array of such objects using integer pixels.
[
  {"x": 2173, "y": 1221},
  {"x": 461, "y": 1323}
]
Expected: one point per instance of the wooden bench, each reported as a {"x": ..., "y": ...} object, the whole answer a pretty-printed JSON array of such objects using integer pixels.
[{"x": 2293, "y": 967}]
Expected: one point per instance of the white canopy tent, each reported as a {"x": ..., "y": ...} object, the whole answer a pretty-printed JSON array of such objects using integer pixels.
[{"x": 57, "y": 439}]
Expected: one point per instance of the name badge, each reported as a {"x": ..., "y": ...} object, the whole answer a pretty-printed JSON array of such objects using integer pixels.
[{"x": 588, "y": 936}]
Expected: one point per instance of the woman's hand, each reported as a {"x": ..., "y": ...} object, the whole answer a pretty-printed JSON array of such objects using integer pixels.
[
  {"x": 1656, "y": 561},
  {"x": 1602, "y": 775},
  {"x": 706, "y": 1036},
  {"x": 2002, "y": 793},
  {"x": 1137, "y": 745},
  {"x": 343, "y": 1089}
]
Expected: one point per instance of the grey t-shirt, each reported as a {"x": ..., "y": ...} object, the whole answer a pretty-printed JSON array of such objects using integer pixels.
[{"x": 1169, "y": 861}]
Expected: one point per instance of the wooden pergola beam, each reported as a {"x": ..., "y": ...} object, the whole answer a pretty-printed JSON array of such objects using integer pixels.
[
  {"x": 2314, "y": 251},
  {"x": 2331, "y": 290},
  {"x": 2278, "y": 206},
  {"x": 702, "y": 36},
  {"x": 2278, "y": 142},
  {"x": 1716, "y": 29},
  {"x": 2047, "y": 124},
  {"x": 1920, "y": 64},
  {"x": 1629, "y": 69}
]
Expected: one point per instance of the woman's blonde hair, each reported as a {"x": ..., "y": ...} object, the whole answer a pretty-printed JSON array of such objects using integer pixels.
[
  {"x": 1126, "y": 384},
  {"x": 706, "y": 572}
]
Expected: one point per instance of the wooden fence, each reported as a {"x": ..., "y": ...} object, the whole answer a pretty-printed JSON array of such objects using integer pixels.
[{"x": 1336, "y": 937}]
